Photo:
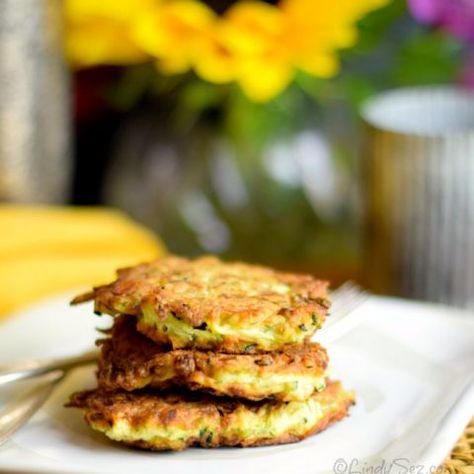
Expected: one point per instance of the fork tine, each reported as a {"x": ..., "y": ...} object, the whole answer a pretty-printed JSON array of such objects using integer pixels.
[
  {"x": 346, "y": 288},
  {"x": 350, "y": 302},
  {"x": 345, "y": 293},
  {"x": 345, "y": 299}
]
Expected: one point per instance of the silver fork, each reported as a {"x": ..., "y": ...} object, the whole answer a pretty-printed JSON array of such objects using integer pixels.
[
  {"x": 345, "y": 300},
  {"x": 32, "y": 368},
  {"x": 15, "y": 414},
  {"x": 46, "y": 374},
  {"x": 342, "y": 315}
]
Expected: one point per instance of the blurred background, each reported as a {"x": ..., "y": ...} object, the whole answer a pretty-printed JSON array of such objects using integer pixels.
[{"x": 226, "y": 127}]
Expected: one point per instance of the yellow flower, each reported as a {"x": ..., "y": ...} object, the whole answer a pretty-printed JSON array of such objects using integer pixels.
[
  {"x": 243, "y": 46},
  {"x": 172, "y": 32},
  {"x": 251, "y": 31},
  {"x": 252, "y": 27},
  {"x": 211, "y": 59},
  {"x": 262, "y": 81},
  {"x": 258, "y": 45},
  {"x": 99, "y": 31},
  {"x": 316, "y": 29},
  {"x": 269, "y": 43}
]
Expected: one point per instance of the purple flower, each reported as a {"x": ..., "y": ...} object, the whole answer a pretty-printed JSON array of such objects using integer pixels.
[{"x": 456, "y": 16}]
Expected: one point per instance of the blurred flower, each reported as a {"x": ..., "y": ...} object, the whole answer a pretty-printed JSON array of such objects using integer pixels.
[
  {"x": 258, "y": 45},
  {"x": 99, "y": 32},
  {"x": 271, "y": 43},
  {"x": 456, "y": 16},
  {"x": 316, "y": 29},
  {"x": 170, "y": 31},
  {"x": 253, "y": 33}
]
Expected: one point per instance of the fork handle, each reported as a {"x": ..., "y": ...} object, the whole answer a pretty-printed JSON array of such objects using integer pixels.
[
  {"x": 15, "y": 414},
  {"x": 29, "y": 369}
]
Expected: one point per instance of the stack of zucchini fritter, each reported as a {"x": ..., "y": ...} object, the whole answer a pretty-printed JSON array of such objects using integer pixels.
[{"x": 206, "y": 353}]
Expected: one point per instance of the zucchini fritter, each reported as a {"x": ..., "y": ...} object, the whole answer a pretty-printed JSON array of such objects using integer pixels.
[
  {"x": 131, "y": 361},
  {"x": 208, "y": 304},
  {"x": 174, "y": 421}
]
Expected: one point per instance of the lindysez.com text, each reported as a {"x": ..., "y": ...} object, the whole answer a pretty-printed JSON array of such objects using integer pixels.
[{"x": 392, "y": 466}]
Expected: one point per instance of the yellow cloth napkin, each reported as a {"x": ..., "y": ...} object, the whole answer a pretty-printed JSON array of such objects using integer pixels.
[{"x": 46, "y": 250}]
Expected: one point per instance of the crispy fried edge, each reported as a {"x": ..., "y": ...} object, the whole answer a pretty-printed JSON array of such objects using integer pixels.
[
  {"x": 128, "y": 358},
  {"x": 90, "y": 400},
  {"x": 299, "y": 314}
]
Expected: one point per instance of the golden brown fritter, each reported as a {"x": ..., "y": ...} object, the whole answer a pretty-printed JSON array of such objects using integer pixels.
[
  {"x": 131, "y": 361},
  {"x": 208, "y": 304},
  {"x": 164, "y": 421}
]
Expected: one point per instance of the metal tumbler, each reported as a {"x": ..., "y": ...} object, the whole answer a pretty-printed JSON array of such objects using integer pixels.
[
  {"x": 34, "y": 103},
  {"x": 418, "y": 171}
]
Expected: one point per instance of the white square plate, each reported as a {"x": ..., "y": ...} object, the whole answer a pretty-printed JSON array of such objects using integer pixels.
[{"x": 411, "y": 365}]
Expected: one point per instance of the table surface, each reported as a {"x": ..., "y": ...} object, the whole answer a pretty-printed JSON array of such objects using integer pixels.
[{"x": 461, "y": 458}]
